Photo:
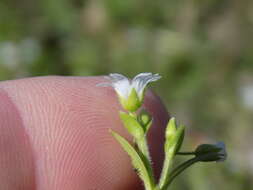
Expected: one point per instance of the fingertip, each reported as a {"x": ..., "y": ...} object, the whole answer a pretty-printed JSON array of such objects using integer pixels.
[{"x": 68, "y": 121}]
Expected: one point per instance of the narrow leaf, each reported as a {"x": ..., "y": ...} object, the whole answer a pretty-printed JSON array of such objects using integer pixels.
[
  {"x": 132, "y": 125},
  {"x": 137, "y": 162}
]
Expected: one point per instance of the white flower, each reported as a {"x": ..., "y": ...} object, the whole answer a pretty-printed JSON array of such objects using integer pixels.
[
  {"x": 123, "y": 86},
  {"x": 131, "y": 92},
  {"x": 222, "y": 153}
]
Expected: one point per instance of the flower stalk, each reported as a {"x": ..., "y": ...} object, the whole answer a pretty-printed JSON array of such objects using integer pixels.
[{"x": 131, "y": 94}]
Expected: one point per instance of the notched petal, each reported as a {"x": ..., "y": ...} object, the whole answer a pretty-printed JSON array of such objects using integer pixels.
[
  {"x": 141, "y": 81},
  {"x": 117, "y": 77}
]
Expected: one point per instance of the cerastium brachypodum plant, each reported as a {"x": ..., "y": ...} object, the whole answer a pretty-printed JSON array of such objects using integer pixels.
[{"x": 131, "y": 94}]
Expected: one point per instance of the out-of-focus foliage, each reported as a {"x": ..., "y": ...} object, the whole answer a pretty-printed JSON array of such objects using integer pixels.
[{"x": 202, "y": 48}]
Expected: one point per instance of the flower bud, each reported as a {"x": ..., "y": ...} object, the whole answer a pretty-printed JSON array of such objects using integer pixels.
[
  {"x": 171, "y": 128},
  {"x": 211, "y": 152},
  {"x": 174, "y": 136},
  {"x": 145, "y": 119}
]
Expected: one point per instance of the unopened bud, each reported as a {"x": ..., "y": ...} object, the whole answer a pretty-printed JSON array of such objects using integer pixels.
[
  {"x": 145, "y": 119},
  {"x": 211, "y": 152}
]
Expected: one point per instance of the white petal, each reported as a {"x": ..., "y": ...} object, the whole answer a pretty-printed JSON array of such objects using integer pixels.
[
  {"x": 121, "y": 84},
  {"x": 117, "y": 77},
  {"x": 141, "y": 80},
  {"x": 104, "y": 84},
  {"x": 114, "y": 77}
]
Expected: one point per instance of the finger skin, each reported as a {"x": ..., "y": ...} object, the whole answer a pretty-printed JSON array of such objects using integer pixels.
[{"x": 54, "y": 135}]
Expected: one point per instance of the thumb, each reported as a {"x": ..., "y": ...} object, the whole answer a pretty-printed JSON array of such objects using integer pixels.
[{"x": 54, "y": 135}]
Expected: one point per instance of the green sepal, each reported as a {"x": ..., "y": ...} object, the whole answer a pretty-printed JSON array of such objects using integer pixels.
[
  {"x": 145, "y": 119},
  {"x": 137, "y": 161},
  {"x": 181, "y": 133},
  {"x": 132, "y": 125},
  {"x": 208, "y": 153},
  {"x": 173, "y": 140},
  {"x": 171, "y": 128},
  {"x": 132, "y": 102},
  {"x": 206, "y": 148},
  {"x": 174, "y": 136}
]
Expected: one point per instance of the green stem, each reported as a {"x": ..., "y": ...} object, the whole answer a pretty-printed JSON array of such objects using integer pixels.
[
  {"x": 186, "y": 153},
  {"x": 133, "y": 114},
  {"x": 143, "y": 148},
  {"x": 178, "y": 170},
  {"x": 166, "y": 168},
  {"x": 144, "y": 151}
]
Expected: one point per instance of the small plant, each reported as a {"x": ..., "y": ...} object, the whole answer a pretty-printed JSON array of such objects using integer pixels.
[{"x": 131, "y": 94}]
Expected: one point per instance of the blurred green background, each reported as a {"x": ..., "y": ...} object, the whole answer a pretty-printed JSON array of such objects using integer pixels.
[{"x": 202, "y": 48}]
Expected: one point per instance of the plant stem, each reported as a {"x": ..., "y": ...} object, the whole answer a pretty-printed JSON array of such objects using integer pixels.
[
  {"x": 186, "y": 153},
  {"x": 143, "y": 148},
  {"x": 179, "y": 170},
  {"x": 166, "y": 167}
]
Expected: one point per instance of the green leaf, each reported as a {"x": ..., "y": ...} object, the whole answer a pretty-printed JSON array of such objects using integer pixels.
[
  {"x": 132, "y": 125},
  {"x": 137, "y": 161}
]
